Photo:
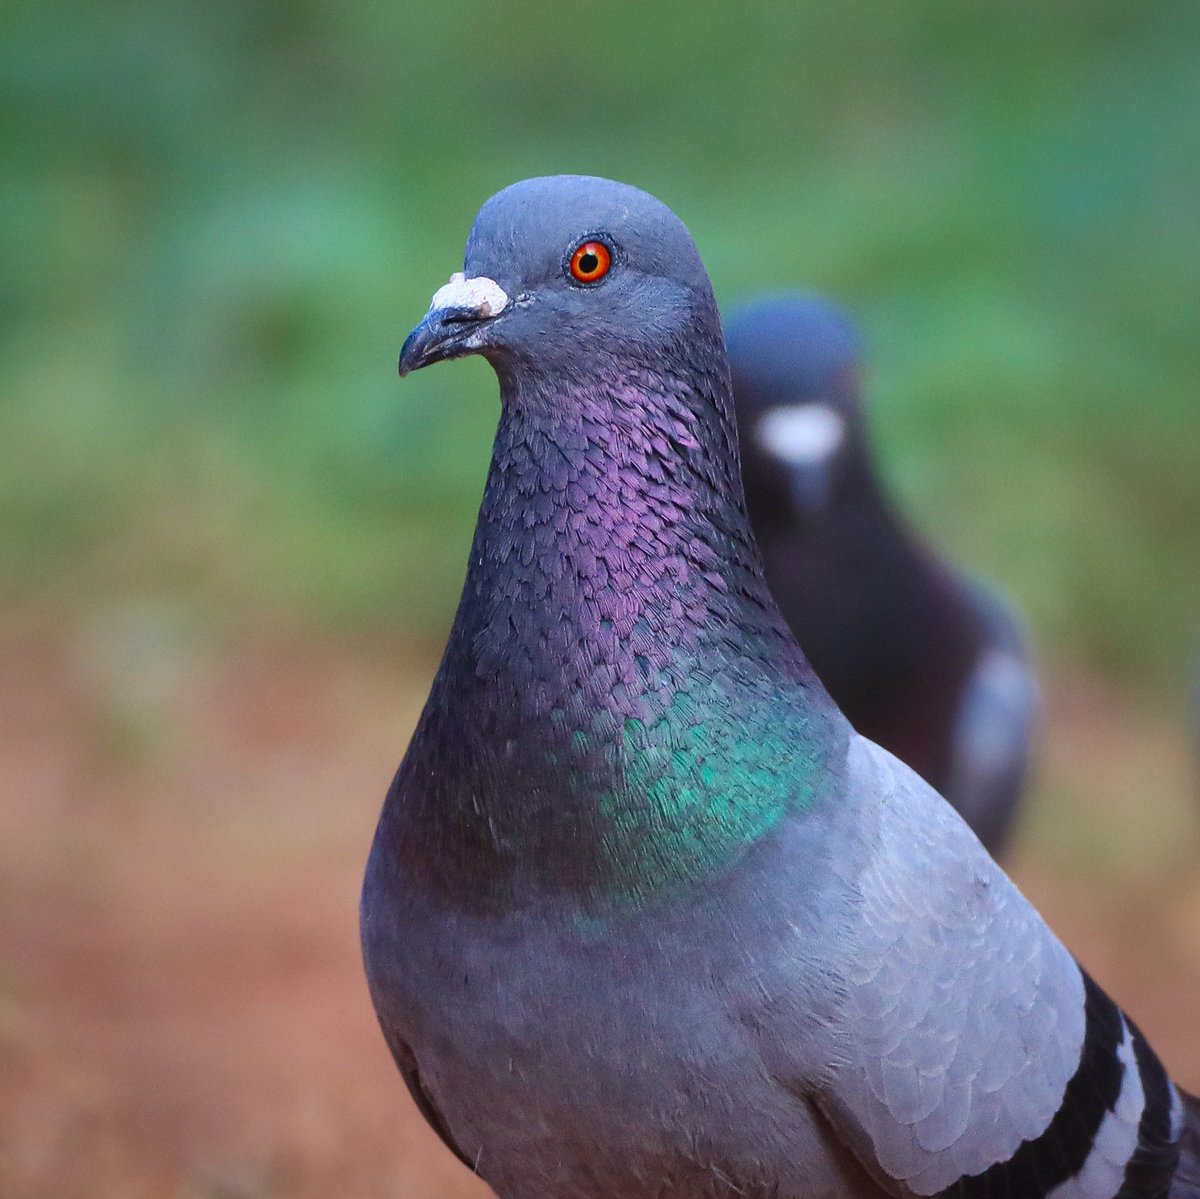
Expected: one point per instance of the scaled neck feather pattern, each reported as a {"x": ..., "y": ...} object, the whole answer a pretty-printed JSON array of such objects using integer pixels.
[{"x": 621, "y": 710}]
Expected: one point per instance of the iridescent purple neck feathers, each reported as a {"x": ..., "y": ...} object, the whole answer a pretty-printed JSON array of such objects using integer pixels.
[
  {"x": 592, "y": 726},
  {"x": 621, "y": 711}
]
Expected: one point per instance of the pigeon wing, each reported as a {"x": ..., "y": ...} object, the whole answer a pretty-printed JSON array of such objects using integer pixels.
[
  {"x": 993, "y": 725},
  {"x": 969, "y": 1055}
]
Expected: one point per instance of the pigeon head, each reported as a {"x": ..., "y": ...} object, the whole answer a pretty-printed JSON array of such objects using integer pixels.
[
  {"x": 564, "y": 275},
  {"x": 794, "y": 364}
]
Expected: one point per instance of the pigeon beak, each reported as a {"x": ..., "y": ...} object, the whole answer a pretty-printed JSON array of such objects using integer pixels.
[
  {"x": 805, "y": 439},
  {"x": 440, "y": 335},
  {"x": 455, "y": 314},
  {"x": 810, "y": 487}
]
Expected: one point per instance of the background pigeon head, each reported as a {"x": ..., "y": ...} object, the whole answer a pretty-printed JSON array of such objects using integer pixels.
[
  {"x": 794, "y": 363},
  {"x": 565, "y": 275}
]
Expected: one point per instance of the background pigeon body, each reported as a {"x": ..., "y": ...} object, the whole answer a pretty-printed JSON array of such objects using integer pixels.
[
  {"x": 927, "y": 664},
  {"x": 644, "y": 917}
]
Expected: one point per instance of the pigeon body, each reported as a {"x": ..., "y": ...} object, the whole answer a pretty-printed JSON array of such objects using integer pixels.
[
  {"x": 644, "y": 917},
  {"x": 922, "y": 661}
]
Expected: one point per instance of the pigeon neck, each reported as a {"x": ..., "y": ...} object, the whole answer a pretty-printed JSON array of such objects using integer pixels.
[{"x": 621, "y": 709}]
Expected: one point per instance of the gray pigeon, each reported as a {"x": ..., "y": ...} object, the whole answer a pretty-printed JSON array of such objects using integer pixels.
[
  {"x": 924, "y": 662},
  {"x": 644, "y": 918}
]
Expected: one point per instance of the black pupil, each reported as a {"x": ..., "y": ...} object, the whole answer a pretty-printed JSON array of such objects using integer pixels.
[{"x": 588, "y": 263}]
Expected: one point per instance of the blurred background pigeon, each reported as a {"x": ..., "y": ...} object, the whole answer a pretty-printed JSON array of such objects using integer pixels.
[{"x": 924, "y": 661}]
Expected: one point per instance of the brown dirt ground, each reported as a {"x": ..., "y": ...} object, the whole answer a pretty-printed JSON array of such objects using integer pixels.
[{"x": 182, "y": 1007}]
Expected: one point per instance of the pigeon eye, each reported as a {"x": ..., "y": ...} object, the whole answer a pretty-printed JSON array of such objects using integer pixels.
[{"x": 590, "y": 262}]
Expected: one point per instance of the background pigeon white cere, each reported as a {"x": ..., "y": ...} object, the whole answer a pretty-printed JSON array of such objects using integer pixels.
[
  {"x": 923, "y": 661},
  {"x": 644, "y": 916}
]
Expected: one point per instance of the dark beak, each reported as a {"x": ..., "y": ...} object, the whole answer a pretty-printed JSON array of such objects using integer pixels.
[
  {"x": 444, "y": 333},
  {"x": 810, "y": 485}
]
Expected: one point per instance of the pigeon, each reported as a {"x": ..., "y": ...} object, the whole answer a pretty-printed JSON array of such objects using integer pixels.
[
  {"x": 644, "y": 917},
  {"x": 926, "y": 663}
]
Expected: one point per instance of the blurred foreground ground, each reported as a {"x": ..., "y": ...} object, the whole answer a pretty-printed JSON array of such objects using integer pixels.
[{"x": 182, "y": 1008}]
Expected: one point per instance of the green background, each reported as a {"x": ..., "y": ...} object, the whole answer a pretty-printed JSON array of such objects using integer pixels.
[{"x": 219, "y": 220}]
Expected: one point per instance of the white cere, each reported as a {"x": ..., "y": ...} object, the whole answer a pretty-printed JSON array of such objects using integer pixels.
[
  {"x": 479, "y": 294},
  {"x": 801, "y": 434}
]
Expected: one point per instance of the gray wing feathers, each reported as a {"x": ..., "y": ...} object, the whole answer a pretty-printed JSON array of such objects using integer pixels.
[
  {"x": 992, "y": 731},
  {"x": 963, "y": 1017}
]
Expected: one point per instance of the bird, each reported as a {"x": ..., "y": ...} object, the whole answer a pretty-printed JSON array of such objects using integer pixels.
[
  {"x": 922, "y": 660},
  {"x": 643, "y": 915}
]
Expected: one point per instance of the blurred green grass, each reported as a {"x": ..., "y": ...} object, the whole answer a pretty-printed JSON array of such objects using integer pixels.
[{"x": 218, "y": 221}]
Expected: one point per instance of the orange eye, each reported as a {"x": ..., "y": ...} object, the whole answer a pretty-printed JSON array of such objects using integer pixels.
[{"x": 590, "y": 262}]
